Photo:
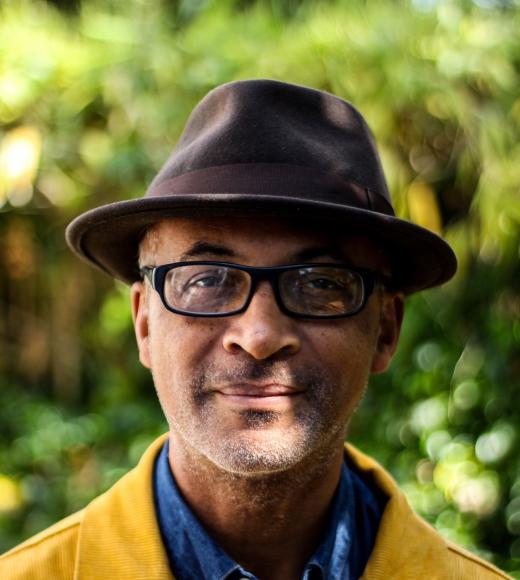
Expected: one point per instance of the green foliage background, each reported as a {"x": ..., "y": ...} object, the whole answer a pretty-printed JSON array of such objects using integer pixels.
[{"x": 98, "y": 92}]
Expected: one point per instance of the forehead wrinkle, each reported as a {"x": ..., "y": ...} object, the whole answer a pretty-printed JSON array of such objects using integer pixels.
[
  {"x": 314, "y": 252},
  {"x": 202, "y": 249}
]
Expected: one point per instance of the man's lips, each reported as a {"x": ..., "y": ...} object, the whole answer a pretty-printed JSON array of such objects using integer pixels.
[
  {"x": 259, "y": 391},
  {"x": 272, "y": 396}
]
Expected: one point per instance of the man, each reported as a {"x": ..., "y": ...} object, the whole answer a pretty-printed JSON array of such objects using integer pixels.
[{"x": 267, "y": 276}]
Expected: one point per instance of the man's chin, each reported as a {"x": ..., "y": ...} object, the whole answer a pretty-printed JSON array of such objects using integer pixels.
[{"x": 258, "y": 453}]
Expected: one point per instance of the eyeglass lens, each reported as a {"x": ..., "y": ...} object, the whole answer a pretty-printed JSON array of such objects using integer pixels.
[
  {"x": 216, "y": 289},
  {"x": 206, "y": 288},
  {"x": 321, "y": 291}
]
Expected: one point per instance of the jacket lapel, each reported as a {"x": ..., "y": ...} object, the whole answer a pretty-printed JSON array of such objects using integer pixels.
[
  {"x": 119, "y": 536},
  {"x": 406, "y": 546}
]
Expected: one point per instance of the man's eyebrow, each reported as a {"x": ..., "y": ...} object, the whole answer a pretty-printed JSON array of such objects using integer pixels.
[{"x": 202, "y": 249}]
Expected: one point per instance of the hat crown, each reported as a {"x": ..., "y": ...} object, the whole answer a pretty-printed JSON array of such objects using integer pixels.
[
  {"x": 271, "y": 122},
  {"x": 263, "y": 148}
]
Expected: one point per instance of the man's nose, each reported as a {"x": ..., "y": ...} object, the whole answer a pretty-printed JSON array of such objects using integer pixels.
[{"x": 263, "y": 330}]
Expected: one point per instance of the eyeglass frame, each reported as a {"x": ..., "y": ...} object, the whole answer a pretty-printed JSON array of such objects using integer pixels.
[{"x": 156, "y": 275}]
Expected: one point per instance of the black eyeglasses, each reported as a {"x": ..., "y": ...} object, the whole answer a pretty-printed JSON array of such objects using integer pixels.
[{"x": 211, "y": 289}]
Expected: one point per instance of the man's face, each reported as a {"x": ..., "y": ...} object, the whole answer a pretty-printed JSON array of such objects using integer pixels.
[{"x": 260, "y": 391}]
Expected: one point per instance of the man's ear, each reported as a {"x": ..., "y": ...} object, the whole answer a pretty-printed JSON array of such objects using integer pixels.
[
  {"x": 390, "y": 321},
  {"x": 140, "y": 318}
]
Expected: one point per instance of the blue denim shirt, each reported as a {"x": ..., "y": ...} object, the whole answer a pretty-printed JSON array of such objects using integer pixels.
[{"x": 343, "y": 553}]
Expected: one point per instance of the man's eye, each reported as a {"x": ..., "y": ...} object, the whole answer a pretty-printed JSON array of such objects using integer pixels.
[
  {"x": 209, "y": 281},
  {"x": 323, "y": 284}
]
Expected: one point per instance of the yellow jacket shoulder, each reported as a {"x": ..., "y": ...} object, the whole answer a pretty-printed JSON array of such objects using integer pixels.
[
  {"x": 408, "y": 548},
  {"x": 51, "y": 553}
]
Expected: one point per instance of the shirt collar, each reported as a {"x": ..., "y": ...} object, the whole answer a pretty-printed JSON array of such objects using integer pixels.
[
  {"x": 192, "y": 553},
  {"x": 332, "y": 556}
]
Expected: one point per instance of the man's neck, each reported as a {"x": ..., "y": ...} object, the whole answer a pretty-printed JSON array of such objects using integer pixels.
[{"x": 272, "y": 523}]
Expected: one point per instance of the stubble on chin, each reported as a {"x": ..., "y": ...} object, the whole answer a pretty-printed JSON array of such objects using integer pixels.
[{"x": 263, "y": 444}]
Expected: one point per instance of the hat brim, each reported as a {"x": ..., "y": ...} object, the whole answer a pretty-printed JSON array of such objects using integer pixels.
[{"x": 108, "y": 236}]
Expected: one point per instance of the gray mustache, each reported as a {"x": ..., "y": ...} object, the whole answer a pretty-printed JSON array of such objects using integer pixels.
[{"x": 311, "y": 377}]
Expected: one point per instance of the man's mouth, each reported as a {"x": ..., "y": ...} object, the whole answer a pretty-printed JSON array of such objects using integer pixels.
[
  {"x": 256, "y": 396},
  {"x": 258, "y": 390}
]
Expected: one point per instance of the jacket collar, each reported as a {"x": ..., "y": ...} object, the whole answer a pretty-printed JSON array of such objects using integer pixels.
[
  {"x": 120, "y": 537},
  {"x": 405, "y": 544}
]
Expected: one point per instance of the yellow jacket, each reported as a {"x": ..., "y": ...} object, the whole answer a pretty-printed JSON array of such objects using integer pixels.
[{"x": 116, "y": 537}]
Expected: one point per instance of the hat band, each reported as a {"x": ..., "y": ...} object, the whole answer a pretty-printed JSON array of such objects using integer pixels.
[{"x": 291, "y": 181}]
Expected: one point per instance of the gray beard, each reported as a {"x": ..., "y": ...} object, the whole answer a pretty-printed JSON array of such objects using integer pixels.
[{"x": 317, "y": 431}]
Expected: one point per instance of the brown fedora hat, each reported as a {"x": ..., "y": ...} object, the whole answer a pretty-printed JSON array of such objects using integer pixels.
[{"x": 264, "y": 148}]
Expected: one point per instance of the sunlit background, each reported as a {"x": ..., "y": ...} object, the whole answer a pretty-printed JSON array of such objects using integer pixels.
[{"x": 93, "y": 96}]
